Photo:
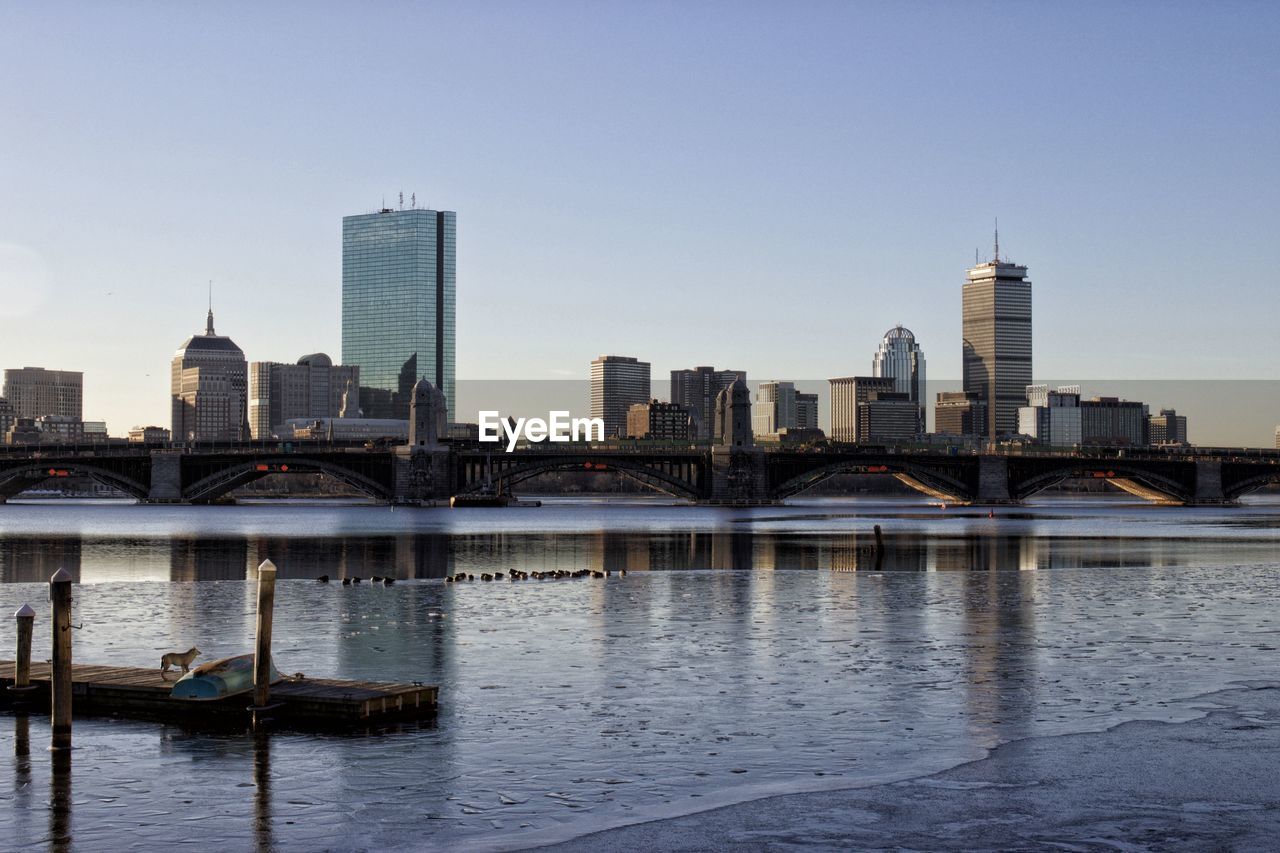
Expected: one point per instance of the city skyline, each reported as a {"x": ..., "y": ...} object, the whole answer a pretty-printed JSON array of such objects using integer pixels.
[{"x": 1121, "y": 234}]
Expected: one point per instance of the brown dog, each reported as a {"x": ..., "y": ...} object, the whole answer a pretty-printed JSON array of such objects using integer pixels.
[{"x": 182, "y": 659}]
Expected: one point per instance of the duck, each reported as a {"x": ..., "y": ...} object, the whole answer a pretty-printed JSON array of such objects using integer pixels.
[
  {"x": 497, "y": 576},
  {"x": 375, "y": 579},
  {"x": 448, "y": 578},
  {"x": 346, "y": 581},
  {"x": 355, "y": 579},
  {"x": 388, "y": 581},
  {"x": 486, "y": 577},
  {"x": 622, "y": 573},
  {"x": 323, "y": 579}
]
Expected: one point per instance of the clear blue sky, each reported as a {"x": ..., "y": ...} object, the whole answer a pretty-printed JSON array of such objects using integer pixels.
[{"x": 759, "y": 186}]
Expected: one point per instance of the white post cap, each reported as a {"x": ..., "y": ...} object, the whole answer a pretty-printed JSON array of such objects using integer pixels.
[
  {"x": 25, "y": 612},
  {"x": 61, "y": 576},
  {"x": 267, "y": 566}
]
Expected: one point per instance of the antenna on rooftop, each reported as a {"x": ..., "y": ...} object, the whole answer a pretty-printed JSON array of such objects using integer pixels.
[
  {"x": 997, "y": 240},
  {"x": 413, "y": 201},
  {"x": 402, "y": 199}
]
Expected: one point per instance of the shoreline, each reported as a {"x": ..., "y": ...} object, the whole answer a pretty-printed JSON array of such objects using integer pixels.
[{"x": 1216, "y": 786}]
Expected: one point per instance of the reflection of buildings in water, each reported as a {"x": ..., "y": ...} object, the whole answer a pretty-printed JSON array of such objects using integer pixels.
[
  {"x": 29, "y": 559},
  {"x": 208, "y": 559},
  {"x": 402, "y": 556},
  {"x": 1000, "y": 643}
]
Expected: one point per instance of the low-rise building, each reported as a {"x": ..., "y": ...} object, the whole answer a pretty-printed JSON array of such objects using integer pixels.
[
  {"x": 889, "y": 417},
  {"x": 149, "y": 435},
  {"x": 1112, "y": 421},
  {"x": 349, "y": 429}
]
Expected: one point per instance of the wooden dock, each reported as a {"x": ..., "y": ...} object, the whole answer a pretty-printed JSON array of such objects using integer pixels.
[{"x": 123, "y": 691}]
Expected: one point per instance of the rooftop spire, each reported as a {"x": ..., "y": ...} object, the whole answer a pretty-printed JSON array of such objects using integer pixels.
[
  {"x": 208, "y": 326},
  {"x": 997, "y": 240}
]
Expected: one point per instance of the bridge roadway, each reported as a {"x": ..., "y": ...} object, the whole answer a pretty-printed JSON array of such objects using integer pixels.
[{"x": 712, "y": 474}]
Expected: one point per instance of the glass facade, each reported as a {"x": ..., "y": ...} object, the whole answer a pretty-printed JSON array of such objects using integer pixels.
[{"x": 398, "y": 305}]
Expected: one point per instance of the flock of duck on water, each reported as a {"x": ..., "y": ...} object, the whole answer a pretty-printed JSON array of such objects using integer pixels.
[
  {"x": 351, "y": 580},
  {"x": 513, "y": 575},
  {"x": 517, "y": 575}
]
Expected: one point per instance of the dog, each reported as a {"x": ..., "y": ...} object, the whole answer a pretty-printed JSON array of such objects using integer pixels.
[{"x": 182, "y": 659}]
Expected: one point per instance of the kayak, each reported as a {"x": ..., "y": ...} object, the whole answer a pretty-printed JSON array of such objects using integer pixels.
[{"x": 219, "y": 679}]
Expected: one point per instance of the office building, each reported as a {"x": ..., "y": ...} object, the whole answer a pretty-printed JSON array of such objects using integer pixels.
[
  {"x": 900, "y": 357},
  {"x": 1168, "y": 427},
  {"x": 34, "y": 392},
  {"x": 1112, "y": 421},
  {"x": 7, "y": 416},
  {"x": 1052, "y": 417},
  {"x": 618, "y": 382},
  {"x": 313, "y": 388},
  {"x": 60, "y": 429},
  {"x": 849, "y": 395},
  {"x": 209, "y": 387},
  {"x": 398, "y": 309},
  {"x": 806, "y": 411},
  {"x": 659, "y": 421},
  {"x": 775, "y": 408},
  {"x": 888, "y": 417},
  {"x": 696, "y": 390},
  {"x": 961, "y": 413},
  {"x": 997, "y": 340}
]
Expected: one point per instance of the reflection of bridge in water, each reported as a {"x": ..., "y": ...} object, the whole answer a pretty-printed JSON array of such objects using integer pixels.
[{"x": 719, "y": 474}]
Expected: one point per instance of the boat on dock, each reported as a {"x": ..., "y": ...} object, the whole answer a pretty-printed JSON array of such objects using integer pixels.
[{"x": 219, "y": 679}]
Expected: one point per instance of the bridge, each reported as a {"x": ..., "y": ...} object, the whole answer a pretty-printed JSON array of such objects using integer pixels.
[{"x": 715, "y": 474}]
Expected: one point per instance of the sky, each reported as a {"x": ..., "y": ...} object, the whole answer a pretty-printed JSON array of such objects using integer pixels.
[{"x": 759, "y": 186}]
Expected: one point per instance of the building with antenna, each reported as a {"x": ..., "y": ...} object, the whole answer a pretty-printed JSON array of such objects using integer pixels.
[
  {"x": 398, "y": 308},
  {"x": 209, "y": 389},
  {"x": 997, "y": 340}
]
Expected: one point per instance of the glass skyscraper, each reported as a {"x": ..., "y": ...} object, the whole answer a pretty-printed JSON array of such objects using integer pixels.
[
  {"x": 398, "y": 305},
  {"x": 901, "y": 358}
]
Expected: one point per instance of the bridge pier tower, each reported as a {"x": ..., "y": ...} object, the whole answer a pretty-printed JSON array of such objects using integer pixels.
[
  {"x": 166, "y": 477},
  {"x": 739, "y": 477},
  {"x": 993, "y": 481},
  {"x": 1209, "y": 484},
  {"x": 422, "y": 467}
]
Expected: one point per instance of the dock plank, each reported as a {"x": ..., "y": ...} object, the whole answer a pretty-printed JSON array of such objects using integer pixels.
[{"x": 120, "y": 690}]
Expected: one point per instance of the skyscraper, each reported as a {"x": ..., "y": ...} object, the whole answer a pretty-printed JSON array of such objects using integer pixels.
[
  {"x": 398, "y": 307},
  {"x": 34, "y": 392},
  {"x": 617, "y": 383},
  {"x": 775, "y": 408},
  {"x": 849, "y": 398},
  {"x": 313, "y": 388},
  {"x": 901, "y": 358},
  {"x": 696, "y": 390},
  {"x": 209, "y": 389},
  {"x": 997, "y": 340}
]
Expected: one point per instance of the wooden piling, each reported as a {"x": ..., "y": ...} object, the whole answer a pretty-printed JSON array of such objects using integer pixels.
[
  {"x": 60, "y": 698},
  {"x": 26, "y": 618},
  {"x": 262, "y": 649},
  {"x": 879, "y": 549}
]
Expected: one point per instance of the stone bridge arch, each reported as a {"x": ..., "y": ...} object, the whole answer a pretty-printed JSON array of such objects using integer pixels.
[
  {"x": 1165, "y": 484},
  {"x": 946, "y": 482},
  {"x": 16, "y": 479},
  {"x": 241, "y": 472},
  {"x": 680, "y": 478}
]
